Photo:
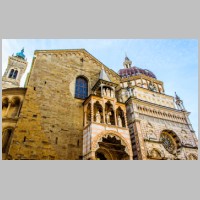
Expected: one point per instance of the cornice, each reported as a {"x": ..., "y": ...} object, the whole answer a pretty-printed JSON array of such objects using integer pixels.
[
  {"x": 134, "y": 99},
  {"x": 100, "y": 81},
  {"x": 17, "y": 59},
  {"x": 10, "y": 119},
  {"x": 145, "y": 89},
  {"x": 17, "y": 90}
]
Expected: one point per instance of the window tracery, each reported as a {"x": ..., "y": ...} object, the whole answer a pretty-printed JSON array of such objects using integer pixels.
[{"x": 168, "y": 143}]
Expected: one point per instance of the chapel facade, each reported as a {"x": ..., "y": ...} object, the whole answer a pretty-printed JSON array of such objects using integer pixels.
[{"x": 73, "y": 107}]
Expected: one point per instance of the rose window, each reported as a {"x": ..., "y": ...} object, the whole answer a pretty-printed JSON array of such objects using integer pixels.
[{"x": 168, "y": 143}]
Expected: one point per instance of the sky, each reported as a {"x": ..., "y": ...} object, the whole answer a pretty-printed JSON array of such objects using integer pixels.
[{"x": 173, "y": 61}]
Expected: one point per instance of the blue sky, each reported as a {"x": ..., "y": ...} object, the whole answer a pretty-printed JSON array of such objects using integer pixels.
[{"x": 173, "y": 61}]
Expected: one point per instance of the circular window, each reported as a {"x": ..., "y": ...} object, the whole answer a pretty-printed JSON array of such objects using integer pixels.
[{"x": 168, "y": 143}]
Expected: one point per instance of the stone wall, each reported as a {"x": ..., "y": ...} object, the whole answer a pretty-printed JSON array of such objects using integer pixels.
[{"x": 50, "y": 125}]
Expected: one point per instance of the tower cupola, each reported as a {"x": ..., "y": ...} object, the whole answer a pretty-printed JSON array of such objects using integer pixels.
[
  {"x": 21, "y": 54},
  {"x": 127, "y": 62}
]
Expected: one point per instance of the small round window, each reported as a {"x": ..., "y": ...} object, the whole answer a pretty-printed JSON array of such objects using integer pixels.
[{"x": 168, "y": 142}]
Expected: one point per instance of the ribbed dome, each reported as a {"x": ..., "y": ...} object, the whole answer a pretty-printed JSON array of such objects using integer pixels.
[{"x": 134, "y": 71}]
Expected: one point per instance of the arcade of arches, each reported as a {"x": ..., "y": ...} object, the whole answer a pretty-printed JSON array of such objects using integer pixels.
[
  {"x": 11, "y": 107},
  {"x": 105, "y": 112}
]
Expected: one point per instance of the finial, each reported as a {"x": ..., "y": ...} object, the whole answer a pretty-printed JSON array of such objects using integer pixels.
[
  {"x": 177, "y": 97},
  {"x": 21, "y": 54},
  {"x": 126, "y": 57}
]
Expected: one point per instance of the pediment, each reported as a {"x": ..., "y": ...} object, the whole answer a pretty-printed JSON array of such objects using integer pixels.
[{"x": 82, "y": 53}]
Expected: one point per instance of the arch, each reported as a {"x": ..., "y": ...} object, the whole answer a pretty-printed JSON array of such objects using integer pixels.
[
  {"x": 15, "y": 74},
  {"x": 5, "y": 102},
  {"x": 118, "y": 136},
  {"x": 81, "y": 87},
  {"x": 6, "y": 138},
  {"x": 155, "y": 154},
  {"x": 103, "y": 154},
  {"x": 11, "y": 73},
  {"x": 164, "y": 114}
]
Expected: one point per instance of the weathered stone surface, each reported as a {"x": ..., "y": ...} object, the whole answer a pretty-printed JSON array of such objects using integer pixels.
[
  {"x": 46, "y": 121},
  {"x": 50, "y": 110}
]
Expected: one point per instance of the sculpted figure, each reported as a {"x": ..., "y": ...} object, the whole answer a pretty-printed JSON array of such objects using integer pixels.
[
  {"x": 108, "y": 117},
  {"x": 107, "y": 92},
  {"x": 104, "y": 92},
  {"x": 98, "y": 117},
  {"x": 119, "y": 121},
  {"x": 112, "y": 93}
]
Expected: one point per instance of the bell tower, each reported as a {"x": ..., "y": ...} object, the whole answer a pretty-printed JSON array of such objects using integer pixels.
[{"x": 17, "y": 65}]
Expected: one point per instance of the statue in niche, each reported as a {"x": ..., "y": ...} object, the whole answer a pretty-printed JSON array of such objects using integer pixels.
[
  {"x": 108, "y": 117},
  {"x": 119, "y": 121},
  {"x": 112, "y": 93},
  {"x": 98, "y": 117},
  {"x": 104, "y": 92},
  {"x": 107, "y": 92}
]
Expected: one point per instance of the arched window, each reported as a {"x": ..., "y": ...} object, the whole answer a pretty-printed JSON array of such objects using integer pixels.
[
  {"x": 11, "y": 73},
  {"x": 15, "y": 74},
  {"x": 81, "y": 90}
]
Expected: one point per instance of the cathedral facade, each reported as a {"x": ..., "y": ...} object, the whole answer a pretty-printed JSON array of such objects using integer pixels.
[{"x": 73, "y": 107}]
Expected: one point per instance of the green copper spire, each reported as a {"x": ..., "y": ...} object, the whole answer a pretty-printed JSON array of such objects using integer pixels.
[{"x": 21, "y": 54}]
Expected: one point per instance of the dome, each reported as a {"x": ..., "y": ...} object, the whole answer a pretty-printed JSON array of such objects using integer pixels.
[
  {"x": 21, "y": 54},
  {"x": 134, "y": 71}
]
